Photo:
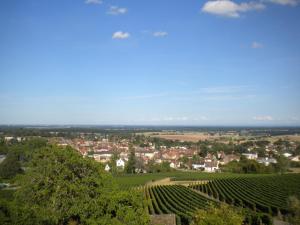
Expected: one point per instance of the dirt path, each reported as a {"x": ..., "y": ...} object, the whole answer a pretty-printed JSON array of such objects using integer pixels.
[
  {"x": 279, "y": 222},
  {"x": 168, "y": 181}
]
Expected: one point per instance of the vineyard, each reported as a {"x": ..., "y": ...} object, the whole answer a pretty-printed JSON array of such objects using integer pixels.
[
  {"x": 176, "y": 199},
  {"x": 266, "y": 194},
  {"x": 127, "y": 181}
]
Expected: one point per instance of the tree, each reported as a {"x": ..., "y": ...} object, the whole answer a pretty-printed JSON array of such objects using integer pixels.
[
  {"x": 113, "y": 161},
  {"x": 294, "y": 208},
  {"x": 297, "y": 151},
  {"x": 130, "y": 167},
  {"x": 223, "y": 215},
  {"x": 61, "y": 187},
  {"x": 282, "y": 164},
  {"x": 10, "y": 167}
]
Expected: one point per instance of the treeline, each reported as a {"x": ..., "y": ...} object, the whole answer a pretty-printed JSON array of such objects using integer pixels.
[{"x": 251, "y": 166}]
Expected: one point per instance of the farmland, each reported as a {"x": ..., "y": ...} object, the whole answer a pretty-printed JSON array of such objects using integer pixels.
[
  {"x": 176, "y": 199},
  {"x": 126, "y": 181},
  {"x": 191, "y": 136},
  {"x": 266, "y": 194}
]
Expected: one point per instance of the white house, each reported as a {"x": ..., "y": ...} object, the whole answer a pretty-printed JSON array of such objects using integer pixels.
[
  {"x": 250, "y": 155},
  {"x": 296, "y": 158},
  {"x": 103, "y": 156},
  {"x": 8, "y": 138},
  {"x": 120, "y": 163},
  {"x": 107, "y": 168},
  {"x": 266, "y": 161},
  {"x": 211, "y": 167},
  {"x": 198, "y": 166},
  {"x": 286, "y": 154}
]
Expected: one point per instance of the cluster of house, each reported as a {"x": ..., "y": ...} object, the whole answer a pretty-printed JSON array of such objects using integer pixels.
[{"x": 103, "y": 151}]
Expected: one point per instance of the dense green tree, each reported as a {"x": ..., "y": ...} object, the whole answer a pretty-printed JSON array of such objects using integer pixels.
[
  {"x": 153, "y": 167},
  {"x": 10, "y": 167},
  {"x": 294, "y": 207},
  {"x": 61, "y": 187},
  {"x": 282, "y": 164},
  {"x": 247, "y": 166},
  {"x": 112, "y": 162},
  {"x": 297, "y": 150},
  {"x": 223, "y": 215},
  {"x": 130, "y": 166}
]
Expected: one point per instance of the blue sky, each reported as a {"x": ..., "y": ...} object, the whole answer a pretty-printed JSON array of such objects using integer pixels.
[{"x": 158, "y": 62}]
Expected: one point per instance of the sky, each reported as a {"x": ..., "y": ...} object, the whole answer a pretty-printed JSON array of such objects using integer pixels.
[{"x": 159, "y": 62}]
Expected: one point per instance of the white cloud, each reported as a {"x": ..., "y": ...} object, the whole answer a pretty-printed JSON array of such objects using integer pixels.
[
  {"x": 120, "y": 35},
  {"x": 97, "y": 2},
  {"x": 263, "y": 118},
  {"x": 256, "y": 45},
  {"x": 160, "y": 34},
  {"x": 115, "y": 10},
  {"x": 229, "y": 8},
  {"x": 284, "y": 2}
]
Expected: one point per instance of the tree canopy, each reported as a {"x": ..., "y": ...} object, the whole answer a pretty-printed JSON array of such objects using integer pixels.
[
  {"x": 223, "y": 215},
  {"x": 61, "y": 187}
]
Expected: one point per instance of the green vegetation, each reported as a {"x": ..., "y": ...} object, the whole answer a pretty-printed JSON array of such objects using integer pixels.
[
  {"x": 130, "y": 166},
  {"x": 223, "y": 215},
  {"x": 133, "y": 180},
  {"x": 60, "y": 187},
  {"x": 248, "y": 166},
  {"x": 191, "y": 207},
  {"x": 252, "y": 166},
  {"x": 175, "y": 199},
  {"x": 294, "y": 208},
  {"x": 10, "y": 167},
  {"x": 266, "y": 194}
]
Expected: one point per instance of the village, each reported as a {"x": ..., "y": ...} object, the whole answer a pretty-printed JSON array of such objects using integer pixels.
[{"x": 177, "y": 157}]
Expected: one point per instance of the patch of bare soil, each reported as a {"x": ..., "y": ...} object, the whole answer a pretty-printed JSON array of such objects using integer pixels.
[{"x": 168, "y": 181}]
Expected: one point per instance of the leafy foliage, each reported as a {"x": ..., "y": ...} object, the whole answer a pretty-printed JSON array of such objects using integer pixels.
[
  {"x": 176, "y": 199},
  {"x": 130, "y": 167},
  {"x": 61, "y": 187},
  {"x": 223, "y": 215},
  {"x": 10, "y": 167}
]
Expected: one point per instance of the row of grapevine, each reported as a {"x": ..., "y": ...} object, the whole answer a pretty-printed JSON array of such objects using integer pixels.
[
  {"x": 268, "y": 194},
  {"x": 176, "y": 199}
]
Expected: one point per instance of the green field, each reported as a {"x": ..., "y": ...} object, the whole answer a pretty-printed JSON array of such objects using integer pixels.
[
  {"x": 126, "y": 181},
  {"x": 176, "y": 199},
  {"x": 261, "y": 194},
  {"x": 267, "y": 194}
]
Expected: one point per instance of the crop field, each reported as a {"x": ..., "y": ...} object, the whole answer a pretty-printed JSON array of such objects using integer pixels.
[
  {"x": 134, "y": 180},
  {"x": 176, "y": 199},
  {"x": 268, "y": 194},
  {"x": 191, "y": 136}
]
